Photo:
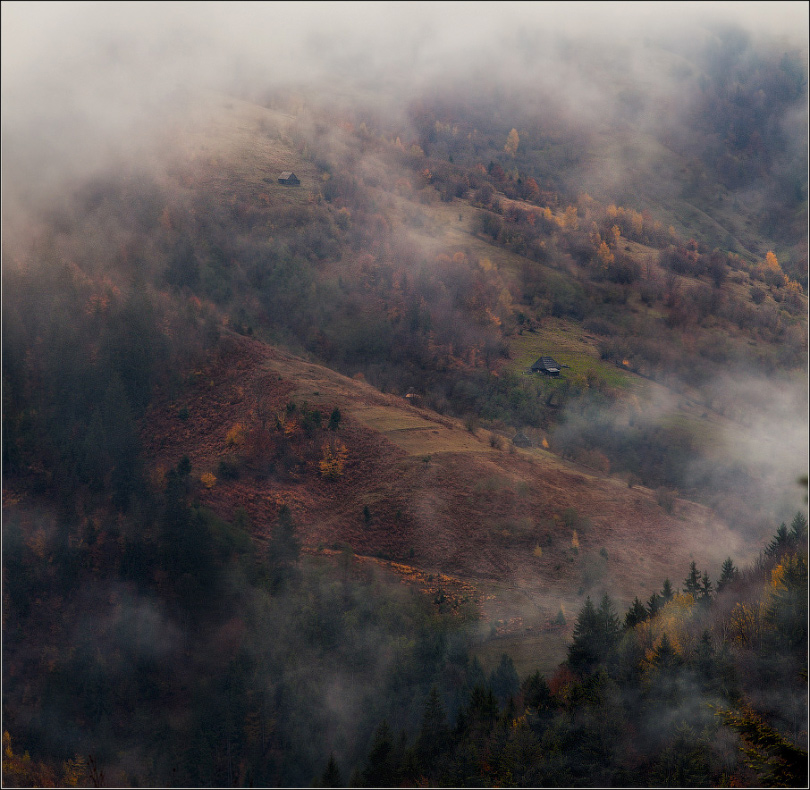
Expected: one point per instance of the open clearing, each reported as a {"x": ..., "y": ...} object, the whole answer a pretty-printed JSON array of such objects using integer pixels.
[{"x": 416, "y": 435}]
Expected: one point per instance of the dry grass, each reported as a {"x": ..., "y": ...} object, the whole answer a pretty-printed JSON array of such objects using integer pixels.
[
  {"x": 237, "y": 149},
  {"x": 441, "y": 501},
  {"x": 416, "y": 435}
]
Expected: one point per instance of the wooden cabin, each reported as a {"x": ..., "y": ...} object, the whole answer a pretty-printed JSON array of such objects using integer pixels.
[
  {"x": 289, "y": 179},
  {"x": 521, "y": 440},
  {"x": 547, "y": 366}
]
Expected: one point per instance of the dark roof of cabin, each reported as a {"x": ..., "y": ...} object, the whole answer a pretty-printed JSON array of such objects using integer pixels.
[
  {"x": 287, "y": 174},
  {"x": 545, "y": 363}
]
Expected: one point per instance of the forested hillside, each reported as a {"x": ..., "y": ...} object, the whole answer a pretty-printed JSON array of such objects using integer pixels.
[{"x": 284, "y": 503}]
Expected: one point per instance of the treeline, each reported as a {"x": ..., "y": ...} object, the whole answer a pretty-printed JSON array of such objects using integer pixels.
[{"x": 701, "y": 687}]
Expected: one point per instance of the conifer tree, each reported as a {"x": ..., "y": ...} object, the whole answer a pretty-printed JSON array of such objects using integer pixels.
[
  {"x": 798, "y": 528},
  {"x": 635, "y": 614},
  {"x": 665, "y": 654},
  {"x": 777, "y": 761},
  {"x": 667, "y": 593},
  {"x": 654, "y": 604},
  {"x": 536, "y": 693},
  {"x": 434, "y": 733},
  {"x": 705, "y": 591},
  {"x": 504, "y": 679},
  {"x": 583, "y": 652},
  {"x": 728, "y": 573},
  {"x": 609, "y": 627},
  {"x": 380, "y": 769},
  {"x": 691, "y": 584},
  {"x": 705, "y": 662},
  {"x": 331, "y": 775},
  {"x": 780, "y": 541}
]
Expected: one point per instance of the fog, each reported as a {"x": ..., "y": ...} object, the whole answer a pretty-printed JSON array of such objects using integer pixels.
[
  {"x": 82, "y": 82},
  {"x": 98, "y": 89}
]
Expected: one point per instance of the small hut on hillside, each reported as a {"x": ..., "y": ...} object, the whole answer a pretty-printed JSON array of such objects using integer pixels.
[
  {"x": 521, "y": 440},
  {"x": 289, "y": 179},
  {"x": 547, "y": 366}
]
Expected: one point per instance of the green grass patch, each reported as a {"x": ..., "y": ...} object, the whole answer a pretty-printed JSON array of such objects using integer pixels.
[{"x": 566, "y": 343}]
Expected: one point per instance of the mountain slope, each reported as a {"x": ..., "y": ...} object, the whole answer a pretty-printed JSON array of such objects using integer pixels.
[{"x": 418, "y": 488}]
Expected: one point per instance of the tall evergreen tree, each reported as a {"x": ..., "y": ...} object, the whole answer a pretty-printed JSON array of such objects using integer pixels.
[
  {"x": 504, "y": 679},
  {"x": 608, "y": 624},
  {"x": 331, "y": 775},
  {"x": 667, "y": 593},
  {"x": 434, "y": 734},
  {"x": 635, "y": 614},
  {"x": 536, "y": 693},
  {"x": 798, "y": 529},
  {"x": 654, "y": 604},
  {"x": 780, "y": 541},
  {"x": 583, "y": 652},
  {"x": 596, "y": 634},
  {"x": 728, "y": 574},
  {"x": 691, "y": 584},
  {"x": 380, "y": 769}
]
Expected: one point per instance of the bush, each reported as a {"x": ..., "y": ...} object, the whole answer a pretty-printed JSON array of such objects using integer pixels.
[
  {"x": 666, "y": 498},
  {"x": 228, "y": 469}
]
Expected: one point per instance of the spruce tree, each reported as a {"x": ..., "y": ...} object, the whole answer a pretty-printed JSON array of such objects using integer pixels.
[
  {"x": 331, "y": 775},
  {"x": 635, "y": 614},
  {"x": 665, "y": 655},
  {"x": 504, "y": 679},
  {"x": 691, "y": 584},
  {"x": 728, "y": 574},
  {"x": 583, "y": 652},
  {"x": 434, "y": 733},
  {"x": 780, "y": 541},
  {"x": 380, "y": 769},
  {"x": 609, "y": 627},
  {"x": 667, "y": 593},
  {"x": 654, "y": 604},
  {"x": 536, "y": 693},
  {"x": 798, "y": 529}
]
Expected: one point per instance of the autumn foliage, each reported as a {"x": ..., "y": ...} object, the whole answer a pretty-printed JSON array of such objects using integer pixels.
[{"x": 333, "y": 459}]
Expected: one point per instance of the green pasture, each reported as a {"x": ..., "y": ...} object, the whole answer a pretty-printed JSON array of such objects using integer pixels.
[{"x": 565, "y": 341}]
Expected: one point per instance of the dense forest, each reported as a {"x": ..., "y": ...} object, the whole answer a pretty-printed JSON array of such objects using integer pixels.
[{"x": 173, "y": 612}]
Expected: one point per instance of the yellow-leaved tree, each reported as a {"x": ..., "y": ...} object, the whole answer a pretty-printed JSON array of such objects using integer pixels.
[
  {"x": 512, "y": 142},
  {"x": 333, "y": 459}
]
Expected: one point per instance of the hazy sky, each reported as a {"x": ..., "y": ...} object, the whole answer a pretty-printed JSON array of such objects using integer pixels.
[
  {"x": 83, "y": 78},
  {"x": 36, "y": 36}
]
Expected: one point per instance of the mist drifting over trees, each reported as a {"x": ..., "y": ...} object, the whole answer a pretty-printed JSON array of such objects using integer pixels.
[{"x": 264, "y": 520}]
